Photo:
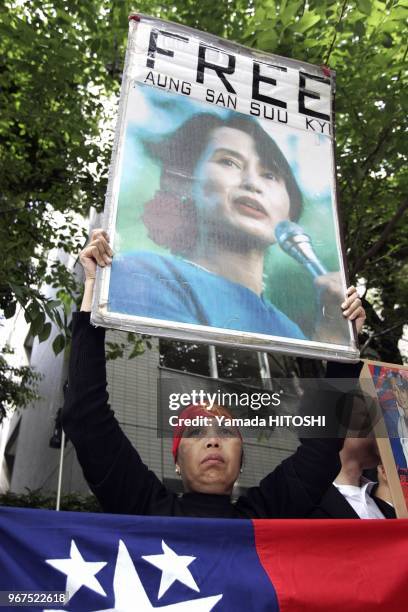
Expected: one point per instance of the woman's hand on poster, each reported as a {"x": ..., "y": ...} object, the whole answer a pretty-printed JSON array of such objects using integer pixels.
[
  {"x": 96, "y": 253},
  {"x": 330, "y": 326}
]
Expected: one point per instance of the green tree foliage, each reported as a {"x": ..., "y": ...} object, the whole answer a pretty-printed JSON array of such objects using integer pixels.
[
  {"x": 59, "y": 59},
  {"x": 12, "y": 393},
  {"x": 365, "y": 43}
]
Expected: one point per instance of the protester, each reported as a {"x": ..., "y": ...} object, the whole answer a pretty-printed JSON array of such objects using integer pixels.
[
  {"x": 382, "y": 489},
  {"x": 352, "y": 495},
  {"x": 209, "y": 463}
]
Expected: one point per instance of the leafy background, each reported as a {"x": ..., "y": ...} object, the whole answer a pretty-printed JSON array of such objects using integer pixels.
[{"x": 61, "y": 59}]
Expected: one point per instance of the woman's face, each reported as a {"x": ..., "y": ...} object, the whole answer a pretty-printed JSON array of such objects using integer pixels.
[
  {"x": 209, "y": 459},
  {"x": 235, "y": 192}
]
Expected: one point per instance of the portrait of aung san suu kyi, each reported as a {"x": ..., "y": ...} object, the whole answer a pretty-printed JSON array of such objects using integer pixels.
[{"x": 223, "y": 186}]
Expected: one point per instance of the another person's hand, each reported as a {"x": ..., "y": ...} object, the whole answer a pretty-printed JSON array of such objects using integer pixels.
[
  {"x": 97, "y": 252},
  {"x": 353, "y": 309}
]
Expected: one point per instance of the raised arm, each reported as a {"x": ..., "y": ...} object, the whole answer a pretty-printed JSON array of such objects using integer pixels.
[
  {"x": 97, "y": 252},
  {"x": 297, "y": 485},
  {"x": 112, "y": 467}
]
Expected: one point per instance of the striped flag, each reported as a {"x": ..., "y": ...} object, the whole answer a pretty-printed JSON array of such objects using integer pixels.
[{"x": 138, "y": 564}]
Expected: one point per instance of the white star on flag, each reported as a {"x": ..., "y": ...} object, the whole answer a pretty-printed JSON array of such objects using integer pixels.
[
  {"x": 174, "y": 567},
  {"x": 78, "y": 571},
  {"x": 130, "y": 594}
]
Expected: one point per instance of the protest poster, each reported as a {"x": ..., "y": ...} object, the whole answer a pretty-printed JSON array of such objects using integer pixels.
[
  {"x": 221, "y": 203},
  {"x": 388, "y": 384}
]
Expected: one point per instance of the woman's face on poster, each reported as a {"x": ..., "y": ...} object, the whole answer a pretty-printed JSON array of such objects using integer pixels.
[
  {"x": 236, "y": 192},
  {"x": 400, "y": 388}
]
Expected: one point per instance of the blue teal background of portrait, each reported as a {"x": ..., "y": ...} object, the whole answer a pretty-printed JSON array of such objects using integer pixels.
[{"x": 152, "y": 113}]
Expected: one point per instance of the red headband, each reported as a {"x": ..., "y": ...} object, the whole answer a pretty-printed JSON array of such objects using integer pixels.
[{"x": 190, "y": 412}]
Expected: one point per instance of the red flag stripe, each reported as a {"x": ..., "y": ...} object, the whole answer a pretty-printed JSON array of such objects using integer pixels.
[{"x": 336, "y": 565}]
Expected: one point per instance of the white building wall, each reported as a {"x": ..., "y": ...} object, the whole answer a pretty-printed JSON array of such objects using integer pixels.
[
  {"x": 13, "y": 333},
  {"x": 132, "y": 383}
]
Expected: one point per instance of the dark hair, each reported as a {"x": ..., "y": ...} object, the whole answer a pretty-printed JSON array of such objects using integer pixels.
[{"x": 171, "y": 221}]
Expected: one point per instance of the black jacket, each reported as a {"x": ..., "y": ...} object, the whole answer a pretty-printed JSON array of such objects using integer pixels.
[
  {"x": 123, "y": 484},
  {"x": 335, "y": 505}
]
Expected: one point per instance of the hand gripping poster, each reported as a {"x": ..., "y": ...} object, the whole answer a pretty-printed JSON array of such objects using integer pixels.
[{"x": 221, "y": 204}]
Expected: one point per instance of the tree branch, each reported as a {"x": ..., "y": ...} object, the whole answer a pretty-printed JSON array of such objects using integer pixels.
[
  {"x": 383, "y": 139},
  {"x": 373, "y": 335},
  {"x": 382, "y": 239},
  {"x": 343, "y": 10}
]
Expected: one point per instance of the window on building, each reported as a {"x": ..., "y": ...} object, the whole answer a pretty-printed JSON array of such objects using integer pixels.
[
  {"x": 187, "y": 357},
  {"x": 194, "y": 358}
]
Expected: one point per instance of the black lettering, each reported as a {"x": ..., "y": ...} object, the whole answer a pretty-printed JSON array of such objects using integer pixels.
[
  {"x": 210, "y": 95},
  {"x": 255, "y": 109},
  {"x": 309, "y": 124},
  {"x": 153, "y": 48},
  {"x": 282, "y": 118},
  {"x": 232, "y": 102},
  {"x": 174, "y": 84},
  {"x": 322, "y": 125},
  {"x": 220, "y": 71},
  {"x": 150, "y": 77},
  {"x": 268, "y": 112},
  {"x": 307, "y": 93},
  {"x": 220, "y": 99},
  {"x": 258, "y": 78},
  {"x": 163, "y": 81}
]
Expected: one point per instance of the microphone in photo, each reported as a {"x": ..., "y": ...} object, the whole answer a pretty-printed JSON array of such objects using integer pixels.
[{"x": 293, "y": 239}]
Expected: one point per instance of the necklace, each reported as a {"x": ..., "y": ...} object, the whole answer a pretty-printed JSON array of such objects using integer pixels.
[{"x": 196, "y": 265}]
